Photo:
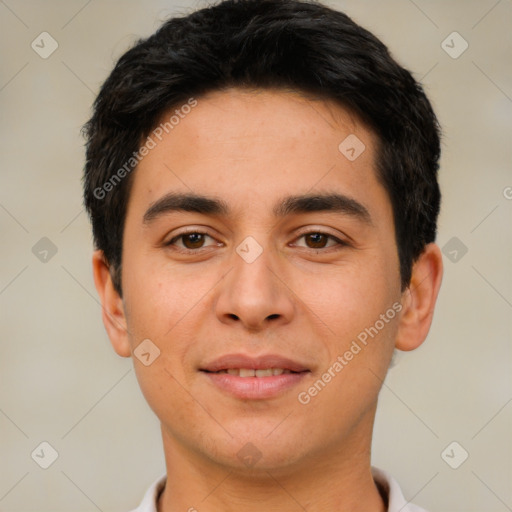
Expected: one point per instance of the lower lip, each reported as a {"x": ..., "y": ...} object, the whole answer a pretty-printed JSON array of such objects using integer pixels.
[{"x": 255, "y": 388}]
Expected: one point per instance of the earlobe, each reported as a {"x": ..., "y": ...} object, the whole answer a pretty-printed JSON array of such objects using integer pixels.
[
  {"x": 420, "y": 298},
  {"x": 113, "y": 313}
]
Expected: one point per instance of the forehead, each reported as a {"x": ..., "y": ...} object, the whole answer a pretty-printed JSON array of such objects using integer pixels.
[
  {"x": 265, "y": 143},
  {"x": 281, "y": 118}
]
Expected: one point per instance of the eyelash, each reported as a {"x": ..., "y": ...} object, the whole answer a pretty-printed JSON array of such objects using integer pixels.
[{"x": 340, "y": 243}]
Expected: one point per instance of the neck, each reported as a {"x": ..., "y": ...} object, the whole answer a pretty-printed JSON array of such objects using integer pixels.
[{"x": 336, "y": 480}]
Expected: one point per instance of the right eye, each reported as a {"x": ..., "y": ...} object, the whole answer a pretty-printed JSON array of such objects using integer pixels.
[{"x": 191, "y": 241}]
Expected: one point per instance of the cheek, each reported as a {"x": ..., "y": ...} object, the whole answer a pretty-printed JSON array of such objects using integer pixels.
[
  {"x": 356, "y": 304},
  {"x": 153, "y": 312},
  {"x": 348, "y": 299},
  {"x": 155, "y": 303},
  {"x": 349, "y": 384},
  {"x": 160, "y": 311},
  {"x": 163, "y": 388}
]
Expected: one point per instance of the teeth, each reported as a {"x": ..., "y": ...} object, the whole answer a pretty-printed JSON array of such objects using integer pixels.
[
  {"x": 248, "y": 372},
  {"x": 264, "y": 373}
]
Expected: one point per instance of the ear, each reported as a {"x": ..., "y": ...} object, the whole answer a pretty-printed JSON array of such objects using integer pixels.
[
  {"x": 419, "y": 299},
  {"x": 112, "y": 305}
]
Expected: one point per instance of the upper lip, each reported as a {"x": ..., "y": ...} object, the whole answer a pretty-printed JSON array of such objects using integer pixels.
[{"x": 255, "y": 363}]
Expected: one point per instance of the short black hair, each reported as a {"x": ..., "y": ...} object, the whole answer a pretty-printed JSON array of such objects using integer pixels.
[{"x": 261, "y": 44}]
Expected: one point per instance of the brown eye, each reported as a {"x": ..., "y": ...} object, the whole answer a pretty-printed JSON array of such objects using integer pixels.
[
  {"x": 317, "y": 240},
  {"x": 193, "y": 240}
]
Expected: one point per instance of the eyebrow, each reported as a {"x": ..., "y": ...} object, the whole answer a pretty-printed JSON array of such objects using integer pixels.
[{"x": 288, "y": 205}]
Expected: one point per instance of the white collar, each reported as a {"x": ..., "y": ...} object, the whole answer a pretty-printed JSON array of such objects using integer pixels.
[{"x": 396, "y": 500}]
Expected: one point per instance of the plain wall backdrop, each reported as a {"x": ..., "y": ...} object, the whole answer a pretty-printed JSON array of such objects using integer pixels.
[{"x": 60, "y": 380}]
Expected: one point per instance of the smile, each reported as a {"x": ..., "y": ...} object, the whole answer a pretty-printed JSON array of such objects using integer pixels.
[
  {"x": 249, "y": 384},
  {"x": 249, "y": 372}
]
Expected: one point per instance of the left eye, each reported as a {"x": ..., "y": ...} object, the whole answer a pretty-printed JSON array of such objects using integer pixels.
[
  {"x": 190, "y": 241},
  {"x": 318, "y": 240}
]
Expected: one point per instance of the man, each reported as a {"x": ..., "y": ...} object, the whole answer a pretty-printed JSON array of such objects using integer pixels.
[{"x": 261, "y": 177}]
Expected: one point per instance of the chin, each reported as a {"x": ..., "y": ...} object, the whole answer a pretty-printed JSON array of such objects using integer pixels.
[{"x": 259, "y": 452}]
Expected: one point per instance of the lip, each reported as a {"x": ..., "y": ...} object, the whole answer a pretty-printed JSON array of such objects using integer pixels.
[
  {"x": 254, "y": 363},
  {"x": 254, "y": 388}
]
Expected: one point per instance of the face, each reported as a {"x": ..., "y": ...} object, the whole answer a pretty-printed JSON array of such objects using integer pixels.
[{"x": 283, "y": 265}]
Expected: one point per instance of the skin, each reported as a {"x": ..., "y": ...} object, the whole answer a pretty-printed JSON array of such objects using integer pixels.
[{"x": 304, "y": 297}]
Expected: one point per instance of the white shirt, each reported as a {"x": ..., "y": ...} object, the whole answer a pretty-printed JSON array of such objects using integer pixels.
[{"x": 396, "y": 500}]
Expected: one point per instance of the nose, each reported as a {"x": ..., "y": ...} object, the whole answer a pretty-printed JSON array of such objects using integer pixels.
[{"x": 255, "y": 294}]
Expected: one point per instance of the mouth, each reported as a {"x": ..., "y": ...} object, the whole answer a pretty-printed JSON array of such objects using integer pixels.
[
  {"x": 254, "y": 378},
  {"x": 244, "y": 364},
  {"x": 249, "y": 372}
]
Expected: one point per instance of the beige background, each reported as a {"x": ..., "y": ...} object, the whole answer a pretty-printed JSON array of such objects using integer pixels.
[{"x": 61, "y": 382}]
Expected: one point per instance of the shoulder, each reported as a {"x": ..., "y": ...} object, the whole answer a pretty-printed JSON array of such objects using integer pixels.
[
  {"x": 386, "y": 483},
  {"x": 149, "y": 502},
  {"x": 389, "y": 486}
]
